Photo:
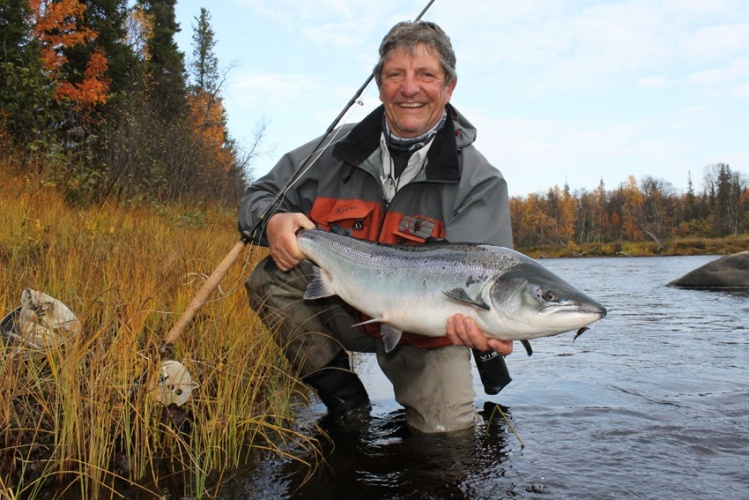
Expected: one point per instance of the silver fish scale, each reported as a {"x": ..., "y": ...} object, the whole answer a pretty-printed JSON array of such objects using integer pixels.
[
  {"x": 418, "y": 288},
  {"x": 479, "y": 262}
]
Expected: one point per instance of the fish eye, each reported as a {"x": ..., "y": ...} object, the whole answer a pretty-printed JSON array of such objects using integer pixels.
[{"x": 551, "y": 296}]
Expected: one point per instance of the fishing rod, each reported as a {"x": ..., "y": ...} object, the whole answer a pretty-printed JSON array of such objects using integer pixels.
[
  {"x": 317, "y": 149},
  {"x": 247, "y": 236}
]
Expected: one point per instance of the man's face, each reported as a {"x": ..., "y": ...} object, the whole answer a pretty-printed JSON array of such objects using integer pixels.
[{"x": 413, "y": 91}]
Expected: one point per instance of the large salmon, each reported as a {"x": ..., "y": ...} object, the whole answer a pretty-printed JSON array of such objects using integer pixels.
[{"x": 416, "y": 288}]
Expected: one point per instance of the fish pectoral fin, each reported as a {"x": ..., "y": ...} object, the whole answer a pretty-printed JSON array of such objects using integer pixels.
[
  {"x": 460, "y": 295},
  {"x": 319, "y": 287},
  {"x": 527, "y": 346},
  {"x": 390, "y": 337}
]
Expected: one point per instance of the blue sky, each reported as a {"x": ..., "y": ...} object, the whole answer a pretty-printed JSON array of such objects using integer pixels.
[{"x": 561, "y": 91}]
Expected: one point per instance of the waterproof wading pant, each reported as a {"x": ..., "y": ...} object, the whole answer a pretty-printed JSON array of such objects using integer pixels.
[{"x": 434, "y": 385}]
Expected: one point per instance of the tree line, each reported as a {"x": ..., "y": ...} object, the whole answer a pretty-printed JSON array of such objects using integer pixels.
[
  {"x": 648, "y": 210},
  {"x": 96, "y": 96}
]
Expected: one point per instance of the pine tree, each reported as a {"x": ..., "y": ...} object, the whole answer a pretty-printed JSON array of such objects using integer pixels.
[
  {"x": 166, "y": 67},
  {"x": 25, "y": 94},
  {"x": 205, "y": 63}
]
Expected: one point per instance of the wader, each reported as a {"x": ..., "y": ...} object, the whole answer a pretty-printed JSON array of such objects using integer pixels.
[{"x": 434, "y": 385}]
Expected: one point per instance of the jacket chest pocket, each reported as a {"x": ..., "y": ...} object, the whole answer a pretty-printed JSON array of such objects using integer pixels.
[
  {"x": 410, "y": 229},
  {"x": 361, "y": 218}
]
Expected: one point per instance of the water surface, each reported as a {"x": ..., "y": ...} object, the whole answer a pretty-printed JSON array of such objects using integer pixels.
[{"x": 652, "y": 402}]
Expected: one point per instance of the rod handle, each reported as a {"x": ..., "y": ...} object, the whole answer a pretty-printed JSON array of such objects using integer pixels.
[{"x": 205, "y": 292}]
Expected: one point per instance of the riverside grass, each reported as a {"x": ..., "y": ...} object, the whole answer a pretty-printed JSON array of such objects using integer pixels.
[{"x": 73, "y": 420}]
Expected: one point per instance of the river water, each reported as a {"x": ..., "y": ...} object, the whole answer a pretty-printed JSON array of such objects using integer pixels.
[{"x": 652, "y": 402}]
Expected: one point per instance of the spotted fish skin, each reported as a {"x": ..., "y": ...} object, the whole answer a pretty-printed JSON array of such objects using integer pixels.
[{"x": 417, "y": 288}]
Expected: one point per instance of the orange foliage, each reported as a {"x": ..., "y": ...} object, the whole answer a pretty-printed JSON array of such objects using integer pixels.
[
  {"x": 633, "y": 206},
  {"x": 207, "y": 119},
  {"x": 93, "y": 90},
  {"x": 55, "y": 25}
]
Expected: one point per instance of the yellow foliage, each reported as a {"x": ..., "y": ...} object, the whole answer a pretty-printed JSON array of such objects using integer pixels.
[{"x": 208, "y": 123}]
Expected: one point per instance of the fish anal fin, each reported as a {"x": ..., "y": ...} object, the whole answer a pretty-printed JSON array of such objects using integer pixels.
[
  {"x": 390, "y": 337},
  {"x": 319, "y": 287},
  {"x": 460, "y": 295}
]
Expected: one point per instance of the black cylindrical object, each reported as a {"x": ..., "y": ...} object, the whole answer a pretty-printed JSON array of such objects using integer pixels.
[{"x": 492, "y": 369}]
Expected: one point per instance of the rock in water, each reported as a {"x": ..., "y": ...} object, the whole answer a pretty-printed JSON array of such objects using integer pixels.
[{"x": 728, "y": 272}]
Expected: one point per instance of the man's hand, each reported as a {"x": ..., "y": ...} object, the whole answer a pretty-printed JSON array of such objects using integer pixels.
[
  {"x": 464, "y": 331},
  {"x": 281, "y": 233}
]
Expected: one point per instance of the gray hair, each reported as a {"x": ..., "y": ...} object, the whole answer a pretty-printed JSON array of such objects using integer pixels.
[{"x": 407, "y": 35}]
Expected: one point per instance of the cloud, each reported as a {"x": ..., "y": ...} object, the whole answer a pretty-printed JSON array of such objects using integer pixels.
[
  {"x": 719, "y": 40},
  {"x": 271, "y": 89},
  {"x": 737, "y": 70},
  {"x": 653, "y": 82}
]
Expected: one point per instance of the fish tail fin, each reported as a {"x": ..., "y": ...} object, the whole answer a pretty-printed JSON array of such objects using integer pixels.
[{"x": 319, "y": 287}]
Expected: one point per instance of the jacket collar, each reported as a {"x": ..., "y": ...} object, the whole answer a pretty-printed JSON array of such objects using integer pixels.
[{"x": 442, "y": 159}]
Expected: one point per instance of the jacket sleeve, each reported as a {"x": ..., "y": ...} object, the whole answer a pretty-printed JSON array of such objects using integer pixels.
[
  {"x": 482, "y": 209},
  {"x": 259, "y": 195}
]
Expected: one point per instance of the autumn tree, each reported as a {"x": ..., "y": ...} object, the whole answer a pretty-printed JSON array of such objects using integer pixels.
[
  {"x": 207, "y": 114},
  {"x": 108, "y": 19},
  {"x": 59, "y": 27},
  {"x": 600, "y": 214}
]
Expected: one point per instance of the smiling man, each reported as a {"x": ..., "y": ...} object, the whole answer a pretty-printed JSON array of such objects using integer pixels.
[{"x": 405, "y": 173}]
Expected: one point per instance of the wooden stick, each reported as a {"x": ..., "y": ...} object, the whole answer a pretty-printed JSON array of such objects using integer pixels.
[{"x": 204, "y": 293}]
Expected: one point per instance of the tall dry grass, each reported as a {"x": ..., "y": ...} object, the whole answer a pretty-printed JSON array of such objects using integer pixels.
[{"x": 80, "y": 418}]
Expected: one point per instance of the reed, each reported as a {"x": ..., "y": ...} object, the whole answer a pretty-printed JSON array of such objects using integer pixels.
[{"x": 81, "y": 418}]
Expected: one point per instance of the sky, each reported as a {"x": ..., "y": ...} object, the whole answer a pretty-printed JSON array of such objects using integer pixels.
[{"x": 562, "y": 92}]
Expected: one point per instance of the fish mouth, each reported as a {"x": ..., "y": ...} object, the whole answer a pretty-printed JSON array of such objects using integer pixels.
[{"x": 599, "y": 311}]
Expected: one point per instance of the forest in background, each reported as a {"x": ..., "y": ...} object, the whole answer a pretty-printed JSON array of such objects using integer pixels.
[
  {"x": 649, "y": 211},
  {"x": 96, "y": 99}
]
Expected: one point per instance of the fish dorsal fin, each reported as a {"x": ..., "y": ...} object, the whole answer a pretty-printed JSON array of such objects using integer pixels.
[
  {"x": 390, "y": 337},
  {"x": 319, "y": 287},
  {"x": 460, "y": 295}
]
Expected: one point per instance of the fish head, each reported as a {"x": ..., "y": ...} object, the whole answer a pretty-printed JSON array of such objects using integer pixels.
[{"x": 532, "y": 302}]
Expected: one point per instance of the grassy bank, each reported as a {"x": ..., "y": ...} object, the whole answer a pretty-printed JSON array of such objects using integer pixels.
[
  {"x": 683, "y": 246},
  {"x": 73, "y": 418}
]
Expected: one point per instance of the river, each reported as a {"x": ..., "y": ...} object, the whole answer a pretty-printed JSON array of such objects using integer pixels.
[{"x": 652, "y": 402}]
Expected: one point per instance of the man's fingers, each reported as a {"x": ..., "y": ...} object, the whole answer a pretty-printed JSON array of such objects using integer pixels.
[
  {"x": 503, "y": 347},
  {"x": 464, "y": 331}
]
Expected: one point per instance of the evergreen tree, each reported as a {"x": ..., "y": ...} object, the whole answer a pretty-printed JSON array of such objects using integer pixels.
[
  {"x": 25, "y": 94},
  {"x": 205, "y": 63},
  {"x": 166, "y": 67}
]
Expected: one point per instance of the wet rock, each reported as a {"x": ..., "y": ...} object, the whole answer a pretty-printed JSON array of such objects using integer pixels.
[{"x": 728, "y": 272}]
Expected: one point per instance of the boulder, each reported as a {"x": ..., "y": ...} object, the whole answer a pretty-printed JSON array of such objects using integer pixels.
[{"x": 728, "y": 272}]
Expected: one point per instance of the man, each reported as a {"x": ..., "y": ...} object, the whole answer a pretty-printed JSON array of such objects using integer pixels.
[{"x": 405, "y": 173}]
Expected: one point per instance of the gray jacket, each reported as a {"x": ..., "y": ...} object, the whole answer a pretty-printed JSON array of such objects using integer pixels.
[{"x": 457, "y": 195}]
